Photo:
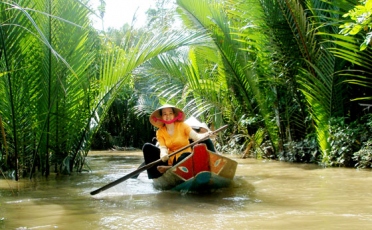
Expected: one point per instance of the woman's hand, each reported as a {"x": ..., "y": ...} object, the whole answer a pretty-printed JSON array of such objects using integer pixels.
[
  {"x": 164, "y": 154},
  {"x": 164, "y": 157}
]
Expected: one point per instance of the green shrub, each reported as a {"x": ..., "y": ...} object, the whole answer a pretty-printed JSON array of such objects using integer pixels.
[
  {"x": 346, "y": 139},
  {"x": 364, "y": 156},
  {"x": 304, "y": 151}
]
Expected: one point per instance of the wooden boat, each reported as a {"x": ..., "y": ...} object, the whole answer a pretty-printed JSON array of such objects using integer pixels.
[{"x": 202, "y": 171}]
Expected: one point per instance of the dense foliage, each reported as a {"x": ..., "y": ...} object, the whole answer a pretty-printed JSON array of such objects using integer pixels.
[
  {"x": 59, "y": 78},
  {"x": 290, "y": 77},
  {"x": 278, "y": 71}
]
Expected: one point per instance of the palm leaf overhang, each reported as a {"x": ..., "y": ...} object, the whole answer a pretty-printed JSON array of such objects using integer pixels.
[
  {"x": 49, "y": 63},
  {"x": 36, "y": 60},
  {"x": 206, "y": 83},
  {"x": 190, "y": 83},
  {"x": 120, "y": 63},
  {"x": 207, "y": 16},
  {"x": 347, "y": 48},
  {"x": 317, "y": 80},
  {"x": 236, "y": 62}
]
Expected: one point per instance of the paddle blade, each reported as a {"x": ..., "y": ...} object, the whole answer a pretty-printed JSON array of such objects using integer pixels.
[{"x": 124, "y": 178}]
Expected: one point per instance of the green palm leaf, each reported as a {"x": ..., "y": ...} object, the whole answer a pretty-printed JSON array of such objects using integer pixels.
[
  {"x": 236, "y": 62},
  {"x": 36, "y": 35},
  {"x": 316, "y": 78}
]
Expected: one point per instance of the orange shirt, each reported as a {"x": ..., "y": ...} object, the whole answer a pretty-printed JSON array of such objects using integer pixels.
[{"x": 179, "y": 139}]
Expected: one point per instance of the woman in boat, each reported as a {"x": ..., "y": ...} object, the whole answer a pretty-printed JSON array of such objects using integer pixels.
[{"x": 172, "y": 134}]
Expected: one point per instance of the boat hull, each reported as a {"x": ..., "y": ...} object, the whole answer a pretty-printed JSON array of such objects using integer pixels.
[{"x": 202, "y": 171}]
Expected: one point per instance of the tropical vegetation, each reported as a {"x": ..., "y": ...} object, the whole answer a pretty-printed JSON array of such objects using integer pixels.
[{"x": 290, "y": 77}]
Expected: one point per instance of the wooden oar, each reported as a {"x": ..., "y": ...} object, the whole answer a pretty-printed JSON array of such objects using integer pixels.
[
  {"x": 145, "y": 167},
  {"x": 141, "y": 165}
]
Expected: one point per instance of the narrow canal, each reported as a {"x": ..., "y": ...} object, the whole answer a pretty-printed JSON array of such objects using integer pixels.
[{"x": 264, "y": 195}]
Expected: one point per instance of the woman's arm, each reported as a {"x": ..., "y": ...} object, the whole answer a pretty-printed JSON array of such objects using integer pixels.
[{"x": 197, "y": 136}]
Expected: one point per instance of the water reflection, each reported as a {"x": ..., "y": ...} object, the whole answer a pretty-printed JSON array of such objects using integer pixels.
[{"x": 264, "y": 195}]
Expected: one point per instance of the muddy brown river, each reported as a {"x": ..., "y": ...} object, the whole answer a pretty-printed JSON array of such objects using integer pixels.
[{"x": 264, "y": 195}]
